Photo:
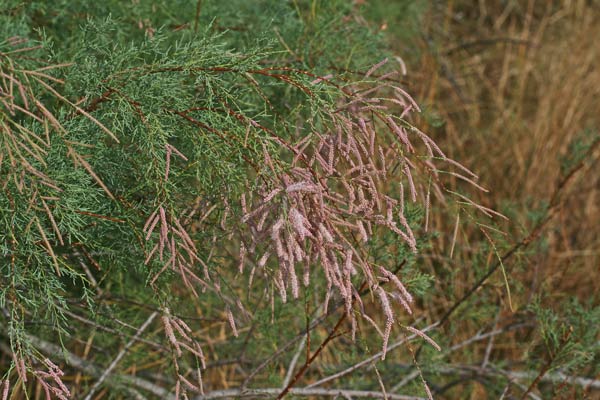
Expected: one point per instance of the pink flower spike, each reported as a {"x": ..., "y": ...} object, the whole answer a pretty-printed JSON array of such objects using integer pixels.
[
  {"x": 5, "y": 391},
  {"x": 189, "y": 384},
  {"x": 150, "y": 220},
  {"x": 242, "y": 258},
  {"x": 387, "y": 309},
  {"x": 427, "y": 390},
  {"x": 231, "y": 322},
  {"x": 424, "y": 336},
  {"x": 174, "y": 149},
  {"x": 152, "y": 225},
  {"x": 272, "y": 194},
  {"x": 170, "y": 334},
  {"x": 21, "y": 369},
  {"x": 163, "y": 223},
  {"x": 402, "y": 65},
  {"x": 263, "y": 259},
  {"x": 411, "y": 184},
  {"x": 320, "y": 79},
  {"x": 376, "y": 67},
  {"x": 405, "y": 95},
  {"x": 300, "y": 223},
  {"x": 303, "y": 186}
]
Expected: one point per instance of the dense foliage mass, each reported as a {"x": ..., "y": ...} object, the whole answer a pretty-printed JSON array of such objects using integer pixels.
[{"x": 201, "y": 199}]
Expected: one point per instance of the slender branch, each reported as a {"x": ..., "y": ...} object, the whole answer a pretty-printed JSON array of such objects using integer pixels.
[
  {"x": 111, "y": 330},
  {"x": 308, "y": 362},
  {"x": 316, "y": 322},
  {"x": 490, "y": 334},
  {"x": 239, "y": 393},
  {"x": 290, "y": 371},
  {"x": 408, "y": 378},
  {"x": 557, "y": 377},
  {"x": 369, "y": 360},
  {"x": 488, "y": 349},
  {"x": 273, "y": 356},
  {"x": 513, "y": 376},
  {"x": 120, "y": 356},
  {"x": 526, "y": 241},
  {"x": 332, "y": 335}
]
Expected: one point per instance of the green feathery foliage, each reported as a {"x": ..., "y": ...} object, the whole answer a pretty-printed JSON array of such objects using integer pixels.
[{"x": 199, "y": 195}]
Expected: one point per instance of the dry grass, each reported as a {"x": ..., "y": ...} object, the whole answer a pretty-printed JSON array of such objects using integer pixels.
[{"x": 517, "y": 86}]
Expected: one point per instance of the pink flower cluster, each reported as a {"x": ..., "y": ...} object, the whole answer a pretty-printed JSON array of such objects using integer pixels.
[
  {"x": 51, "y": 381},
  {"x": 329, "y": 202},
  {"x": 180, "y": 336}
]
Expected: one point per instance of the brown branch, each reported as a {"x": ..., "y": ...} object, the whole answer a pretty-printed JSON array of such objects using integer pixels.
[
  {"x": 308, "y": 362},
  {"x": 93, "y": 106},
  {"x": 119, "y": 356},
  {"x": 535, "y": 233},
  {"x": 565, "y": 339},
  {"x": 307, "y": 331}
]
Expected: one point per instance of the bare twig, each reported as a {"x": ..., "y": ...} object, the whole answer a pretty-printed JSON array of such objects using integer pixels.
[
  {"x": 557, "y": 377},
  {"x": 369, "y": 360},
  {"x": 307, "y": 364},
  {"x": 408, "y": 378},
  {"x": 111, "y": 330},
  {"x": 490, "y": 334},
  {"x": 294, "y": 361},
  {"x": 488, "y": 349},
  {"x": 239, "y": 393},
  {"x": 120, "y": 356}
]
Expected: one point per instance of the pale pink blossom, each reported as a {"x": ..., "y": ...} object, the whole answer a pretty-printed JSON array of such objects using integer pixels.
[
  {"x": 6, "y": 385},
  {"x": 424, "y": 336},
  {"x": 300, "y": 223},
  {"x": 375, "y": 67},
  {"x": 231, "y": 321}
]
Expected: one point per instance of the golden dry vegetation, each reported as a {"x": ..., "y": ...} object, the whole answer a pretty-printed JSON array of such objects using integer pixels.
[{"x": 517, "y": 86}]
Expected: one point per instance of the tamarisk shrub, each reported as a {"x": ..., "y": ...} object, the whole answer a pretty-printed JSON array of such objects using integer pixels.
[{"x": 164, "y": 172}]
